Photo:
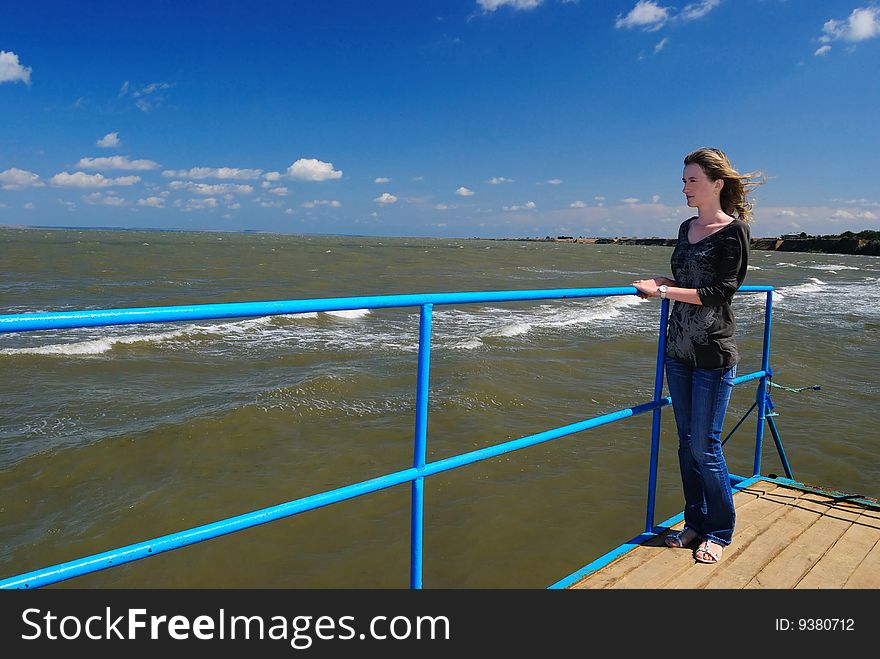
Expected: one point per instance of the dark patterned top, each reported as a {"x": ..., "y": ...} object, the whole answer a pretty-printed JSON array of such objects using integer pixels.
[{"x": 703, "y": 335}]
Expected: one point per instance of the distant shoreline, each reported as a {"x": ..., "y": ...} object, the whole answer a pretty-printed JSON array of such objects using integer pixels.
[{"x": 864, "y": 243}]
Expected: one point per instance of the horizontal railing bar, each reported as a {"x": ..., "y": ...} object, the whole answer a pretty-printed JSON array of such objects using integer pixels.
[
  {"x": 757, "y": 375},
  {"x": 137, "y": 551},
  {"x": 29, "y": 322}
]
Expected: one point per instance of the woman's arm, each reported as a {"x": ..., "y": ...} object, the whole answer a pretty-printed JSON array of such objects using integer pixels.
[{"x": 650, "y": 288}]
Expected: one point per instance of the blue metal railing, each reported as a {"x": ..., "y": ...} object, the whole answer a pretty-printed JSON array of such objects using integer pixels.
[{"x": 420, "y": 469}]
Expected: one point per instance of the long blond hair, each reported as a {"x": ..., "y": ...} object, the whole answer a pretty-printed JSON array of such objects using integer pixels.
[{"x": 734, "y": 194}]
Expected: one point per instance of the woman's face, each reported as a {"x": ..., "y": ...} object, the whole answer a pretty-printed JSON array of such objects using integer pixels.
[{"x": 698, "y": 188}]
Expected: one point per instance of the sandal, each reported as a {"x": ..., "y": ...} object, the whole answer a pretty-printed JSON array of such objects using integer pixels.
[
  {"x": 703, "y": 554},
  {"x": 681, "y": 539}
]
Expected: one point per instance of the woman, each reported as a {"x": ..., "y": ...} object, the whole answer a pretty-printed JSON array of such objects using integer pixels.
[{"x": 708, "y": 265}]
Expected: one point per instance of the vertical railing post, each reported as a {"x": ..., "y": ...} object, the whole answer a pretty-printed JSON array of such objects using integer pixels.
[
  {"x": 655, "y": 427},
  {"x": 421, "y": 443},
  {"x": 762, "y": 385}
]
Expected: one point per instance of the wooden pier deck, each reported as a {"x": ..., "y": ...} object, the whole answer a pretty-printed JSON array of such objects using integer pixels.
[{"x": 785, "y": 538}]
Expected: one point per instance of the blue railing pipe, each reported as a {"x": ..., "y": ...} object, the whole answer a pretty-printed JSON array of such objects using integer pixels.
[
  {"x": 421, "y": 446},
  {"x": 102, "y": 317},
  {"x": 655, "y": 422},
  {"x": 762, "y": 387},
  {"x": 28, "y": 322}
]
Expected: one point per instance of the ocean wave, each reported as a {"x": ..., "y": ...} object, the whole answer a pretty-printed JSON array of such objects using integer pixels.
[
  {"x": 608, "y": 308},
  {"x": 812, "y": 286},
  {"x": 469, "y": 344},
  {"x": 93, "y": 346},
  {"x": 235, "y": 331},
  {"x": 349, "y": 313},
  {"x": 832, "y": 267},
  {"x": 551, "y": 316},
  {"x": 516, "y": 329}
]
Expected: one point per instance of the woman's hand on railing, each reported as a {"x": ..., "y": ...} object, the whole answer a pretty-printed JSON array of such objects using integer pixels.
[{"x": 648, "y": 287}]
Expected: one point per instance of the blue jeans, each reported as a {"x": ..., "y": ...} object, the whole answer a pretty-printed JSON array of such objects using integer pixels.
[{"x": 699, "y": 401}]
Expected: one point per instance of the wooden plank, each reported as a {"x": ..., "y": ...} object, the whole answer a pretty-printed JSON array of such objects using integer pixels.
[
  {"x": 736, "y": 571},
  {"x": 668, "y": 566},
  {"x": 796, "y": 560},
  {"x": 749, "y": 528},
  {"x": 610, "y": 575},
  {"x": 840, "y": 561},
  {"x": 867, "y": 574}
]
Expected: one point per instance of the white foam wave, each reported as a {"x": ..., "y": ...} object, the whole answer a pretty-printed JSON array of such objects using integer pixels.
[
  {"x": 470, "y": 344},
  {"x": 101, "y": 345},
  {"x": 552, "y": 316},
  {"x": 812, "y": 286},
  {"x": 833, "y": 267},
  {"x": 515, "y": 329},
  {"x": 93, "y": 346},
  {"x": 349, "y": 313}
]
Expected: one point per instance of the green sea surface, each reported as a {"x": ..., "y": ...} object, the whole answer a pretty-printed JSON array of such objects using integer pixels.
[{"x": 115, "y": 435}]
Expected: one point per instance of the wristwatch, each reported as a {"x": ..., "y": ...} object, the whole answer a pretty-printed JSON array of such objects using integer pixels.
[{"x": 663, "y": 288}]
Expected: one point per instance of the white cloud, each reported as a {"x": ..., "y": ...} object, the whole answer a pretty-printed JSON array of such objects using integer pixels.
[
  {"x": 498, "y": 180},
  {"x": 200, "y": 204},
  {"x": 218, "y": 172},
  {"x": 862, "y": 24},
  {"x": 280, "y": 191},
  {"x": 310, "y": 169},
  {"x": 272, "y": 176},
  {"x": 29, "y": 205},
  {"x": 116, "y": 162},
  {"x": 100, "y": 199},
  {"x": 441, "y": 207},
  {"x": 647, "y": 15},
  {"x": 385, "y": 198},
  {"x": 577, "y": 204},
  {"x": 529, "y": 205},
  {"x": 332, "y": 203},
  {"x": 211, "y": 189},
  {"x": 382, "y": 179},
  {"x": 822, "y": 50},
  {"x": 109, "y": 140},
  {"x": 661, "y": 44},
  {"x": 18, "y": 179},
  {"x": 464, "y": 192},
  {"x": 83, "y": 180},
  {"x": 630, "y": 200},
  {"x": 554, "y": 181},
  {"x": 289, "y": 211},
  {"x": 698, "y": 9},
  {"x": 655, "y": 199},
  {"x": 492, "y": 5},
  {"x": 154, "y": 202},
  {"x": 148, "y": 97},
  {"x": 11, "y": 70}
]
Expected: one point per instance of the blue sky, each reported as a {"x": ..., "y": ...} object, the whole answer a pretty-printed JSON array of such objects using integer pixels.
[{"x": 490, "y": 118}]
